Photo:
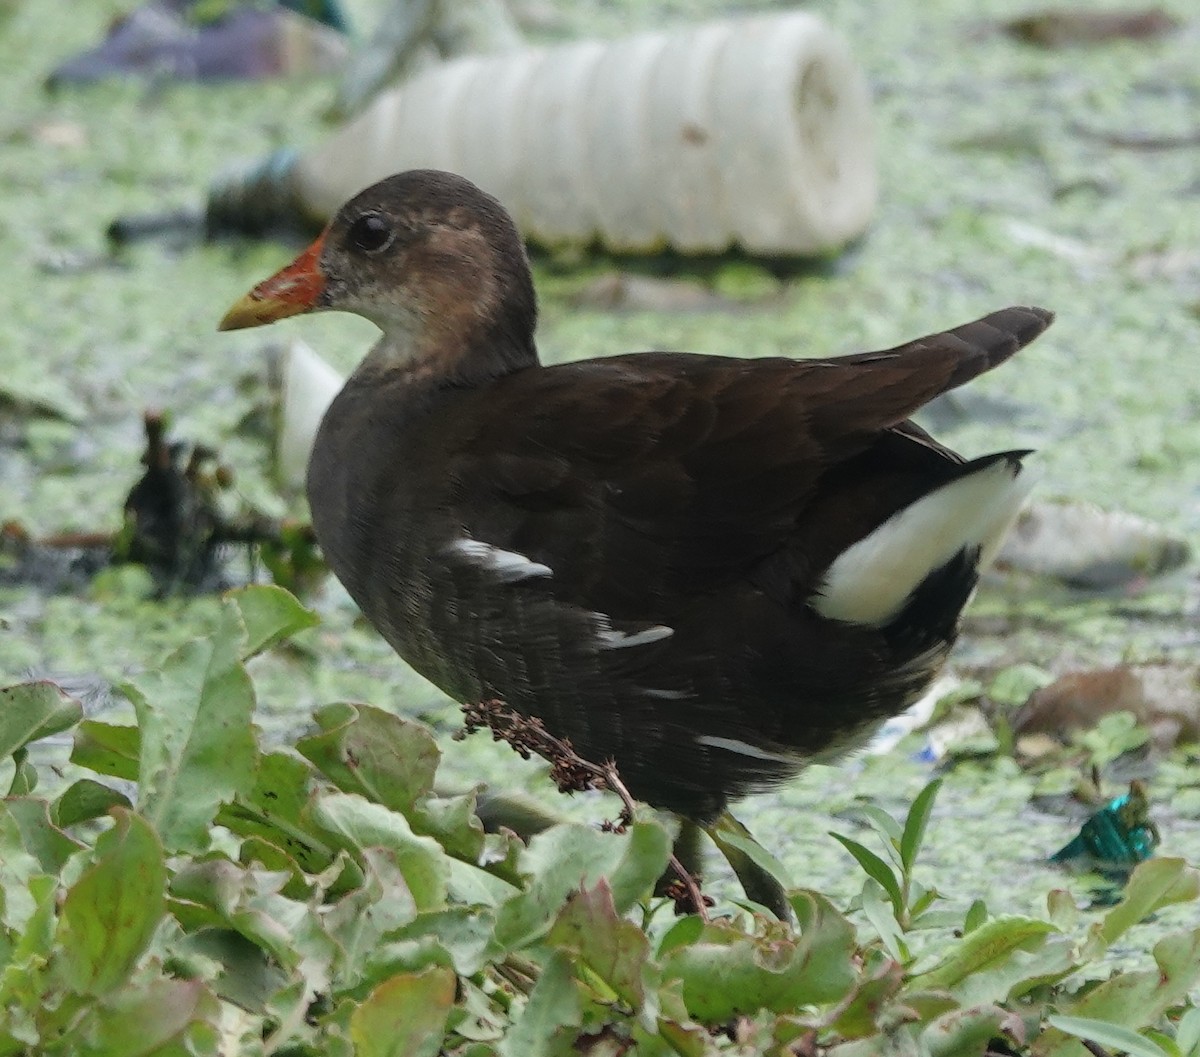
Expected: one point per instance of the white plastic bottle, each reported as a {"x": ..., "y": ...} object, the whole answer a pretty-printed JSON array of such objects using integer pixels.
[{"x": 752, "y": 132}]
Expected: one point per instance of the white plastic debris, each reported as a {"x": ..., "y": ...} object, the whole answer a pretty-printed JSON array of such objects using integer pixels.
[
  {"x": 1085, "y": 546},
  {"x": 754, "y": 132},
  {"x": 915, "y": 717},
  {"x": 307, "y": 387}
]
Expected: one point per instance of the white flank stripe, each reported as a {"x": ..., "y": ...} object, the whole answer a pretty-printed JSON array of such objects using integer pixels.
[
  {"x": 744, "y": 748},
  {"x": 869, "y": 582},
  {"x": 509, "y": 566},
  {"x": 665, "y": 695},
  {"x": 619, "y": 640}
]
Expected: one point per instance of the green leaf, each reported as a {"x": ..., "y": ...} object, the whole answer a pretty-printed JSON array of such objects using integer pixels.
[
  {"x": 550, "y": 1021},
  {"x": 1136, "y": 998},
  {"x": 107, "y": 748},
  {"x": 1187, "y": 1033},
  {"x": 613, "y": 949},
  {"x": 882, "y": 915},
  {"x": 889, "y": 830},
  {"x": 405, "y": 1016},
  {"x": 85, "y": 800},
  {"x": 569, "y": 856},
  {"x": 1153, "y": 885},
  {"x": 881, "y": 980},
  {"x": 452, "y": 820},
  {"x": 218, "y": 892},
  {"x": 726, "y": 972},
  {"x": 25, "y": 776},
  {"x": 914, "y": 825},
  {"x": 269, "y": 614},
  {"x": 749, "y": 860},
  {"x": 977, "y": 914},
  {"x": 364, "y": 750},
  {"x": 32, "y": 711},
  {"x": 42, "y": 838},
  {"x": 143, "y": 1019},
  {"x": 198, "y": 747},
  {"x": 19, "y": 870},
  {"x": 1111, "y": 1036},
  {"x": 1012, "y": 686},
  {"x": 1002, "y": 957},
  {"x": 464, "y": 933},
  {"x": 876, "y": 869},
  {"x": 275, "y": 809},
  {"x": 355, "y": 824},
  {"x": 110, "y": 914},
  {"x": 967, "y": 1031}
]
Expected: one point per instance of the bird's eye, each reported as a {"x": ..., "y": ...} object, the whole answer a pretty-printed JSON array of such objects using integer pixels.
[{"x": 370, "y": 233}]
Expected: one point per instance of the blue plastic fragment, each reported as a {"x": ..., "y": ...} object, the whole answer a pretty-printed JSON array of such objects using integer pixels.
[{"x": 1118, "y": 836}]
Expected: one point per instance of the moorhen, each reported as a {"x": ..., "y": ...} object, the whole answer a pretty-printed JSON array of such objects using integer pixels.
[{"x": 712, "y": 570}]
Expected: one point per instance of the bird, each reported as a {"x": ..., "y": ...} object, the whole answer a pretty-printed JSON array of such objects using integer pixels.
[{"x": 712, "y": 570}]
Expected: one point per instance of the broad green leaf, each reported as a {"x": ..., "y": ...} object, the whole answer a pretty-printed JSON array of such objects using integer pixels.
[
  {"x": 143, "y": 1019},
  {"x": 111, "y": 912},
  {"x": 389, "y": 760},
  {"x": 1012, "y": 686},
  {"x": 18, "y": 870},
  {"x": 355, "y": 824},
  {"x": 915, "y": 824},
  {"x": 32, "y": 711},
  {"x": 25, "y": 776},
  {"x": 453, "y": 822},
  {"x": 876, "y": 869},
  {"x": 382, "y": 904},
  {"x": 1152, "y": 886},
  {"x": 198, "y": 749},
  {"x": 85, "y": 800},
  {"x": 551, "y": 1019},
  {"x": 37, "y": 938},
  {"x": 269, "y": 614},
  {"x": 568, "y": 856},
  {"x": 107, "y": 748},
  {"x": 464, "y": 933},
  {"x": 1111, "y": 1036},
  {"x": 967, "y": 1031},
  {"x": 726, "y": 972},
  {"x": 42, "y": 838},
  {"x": 405, "y": 1016},
  {"x": 1002, "y": 956},
  {"x": 830, "y": 941},
  {"x": 1187, "y": 1033},
  {"x": 1136, "y": 998},
  {"x": 249, "y": 975},
  {"x": 275, "y": 809},
  {"x": 613, "y": 949},
  {"x": 218, "y": 892},
  {"x": 880, "y": 981}
]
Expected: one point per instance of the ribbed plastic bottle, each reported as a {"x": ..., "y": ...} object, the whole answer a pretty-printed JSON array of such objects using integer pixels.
[{"x": 753, "y": 132}]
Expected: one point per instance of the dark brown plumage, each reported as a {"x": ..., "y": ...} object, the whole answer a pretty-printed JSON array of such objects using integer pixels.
[{"x": 711, "y": 569}]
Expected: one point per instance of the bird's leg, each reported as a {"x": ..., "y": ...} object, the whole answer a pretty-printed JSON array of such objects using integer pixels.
[{"x": 754, "y": 866}]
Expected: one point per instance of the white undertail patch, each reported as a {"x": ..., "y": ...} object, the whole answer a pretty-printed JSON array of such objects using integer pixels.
[
  {"x": 507, "y": 566},
  {"x": 869, "y": 582}
]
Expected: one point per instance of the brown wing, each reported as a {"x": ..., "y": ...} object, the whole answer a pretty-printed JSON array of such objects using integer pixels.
[{"x": 644, "y": 481}]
